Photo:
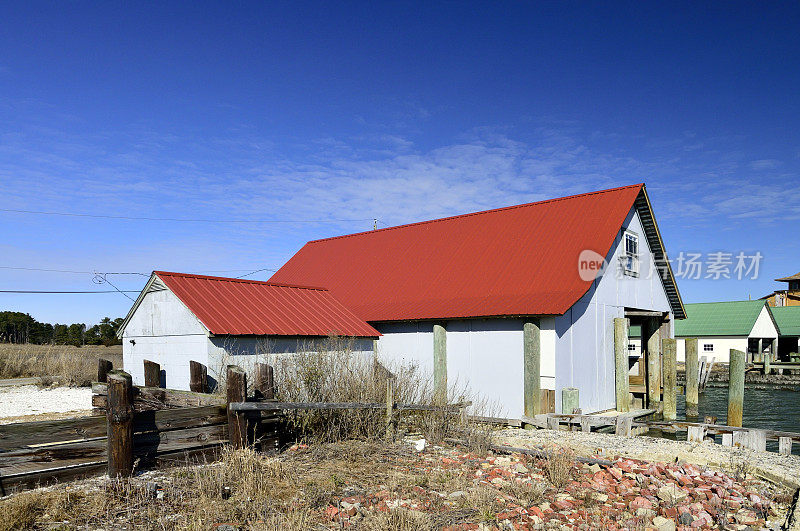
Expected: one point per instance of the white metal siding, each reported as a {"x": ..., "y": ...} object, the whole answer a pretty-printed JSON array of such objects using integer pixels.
[
  {"x": 166, "y": 332},
  {"x": 585, "y": 334}
]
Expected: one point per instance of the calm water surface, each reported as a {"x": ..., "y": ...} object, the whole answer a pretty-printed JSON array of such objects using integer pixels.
[{"x": 769, "y": 409}]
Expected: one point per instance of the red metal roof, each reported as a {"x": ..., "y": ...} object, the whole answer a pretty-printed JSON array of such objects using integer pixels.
[
  {"x": 519, "y": 260},
  {"x": 231, "y": 306}
]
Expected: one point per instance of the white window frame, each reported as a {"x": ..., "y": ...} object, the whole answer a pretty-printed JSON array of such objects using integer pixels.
[
  {"x": 706, "y": 347},
  {"x": 630, "y": 260}
]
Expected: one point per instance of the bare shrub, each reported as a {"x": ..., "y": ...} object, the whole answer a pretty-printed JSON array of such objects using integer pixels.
[
  {"x": 398, "y": 520},
  {"x": 739, "y": 463},
  {"x": 484, "y": 501},
  {"x": 527, "y": 493},
  {"x": 557, "y": 465}
]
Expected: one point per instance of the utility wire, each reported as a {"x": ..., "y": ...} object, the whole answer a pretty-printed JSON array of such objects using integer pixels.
[
  {"x": 256, "y": 271},
  {"x": 100, "y": 278},
  {"x": 199, "y": 220},
  {"x": 66, "y": 292}
]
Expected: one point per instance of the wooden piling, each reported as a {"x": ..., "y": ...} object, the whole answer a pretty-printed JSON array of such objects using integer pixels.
[
  {"x": 785, "y": 445},
  {"x": 198, "y": 377},
  {"x": 670, "y": 368},
  {"x": 440, "y": 363},
  {"x": 736, "y": 368},
  {"x": 621, "y": 370},
  {"x": 767, "y": 360},
  {"x": 236, "y": 384},
  {"x": 623, "y": 426},
  {"x": 265, "y": 381},
  {"x": 653, "y": 340},
  {"x": 152, "y": 374},
  {"x": 119, "y": 417},
  {"x": 103, "y": 368},
  {"x": 692, "y": 378},
  {"x": 696, "y": 433},
  {"x": 757, "y": 440},
  {"x": 569, "y": 400},
  {"x": 531, "y": 366},
  {"x": 552, "y": 423}
]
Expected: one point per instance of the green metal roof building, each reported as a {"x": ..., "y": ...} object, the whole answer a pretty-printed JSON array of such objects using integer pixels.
[{"x": 721, "y": 326}]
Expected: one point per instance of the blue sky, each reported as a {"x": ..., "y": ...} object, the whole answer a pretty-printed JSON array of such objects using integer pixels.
[{"x": 398, "y": 111}]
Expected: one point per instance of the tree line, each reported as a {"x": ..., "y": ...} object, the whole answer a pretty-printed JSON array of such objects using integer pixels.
[{"x": 18, "y": 327}]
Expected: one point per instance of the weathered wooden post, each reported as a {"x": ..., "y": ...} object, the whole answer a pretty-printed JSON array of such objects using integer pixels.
[
  {"x": 767, "y": 360},
  {"x": 198, "y": 377},
  {"x": 390, "y": 408},
  {"x": 103, "y": 368},
  {"x": 440, "y": 363},
  {"x": 736, "y": 387},
  {"x": 152, "y": 374},
  {"x": 696, "y": 434},
  {"x": 531, "y": 366},
  {"x": 785, "y": 445},
  {"x": 621, "y": 370},
  {"x": 653, "y": 337},
  {"x": 623, "y": 425},
  {"x": 119, "y": 417},
  {"x": 265, "y": 381},
  {"x": 670, "y": 379},
  {"x": 692, "y": 378},
  {"x": 569, "y": 400},
  {"x": 236, "y": 386}
]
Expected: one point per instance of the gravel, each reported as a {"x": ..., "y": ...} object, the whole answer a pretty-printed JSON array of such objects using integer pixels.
[{"x": 27, "y": 400}]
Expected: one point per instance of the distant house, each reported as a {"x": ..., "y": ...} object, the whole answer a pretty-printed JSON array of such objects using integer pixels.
[
  {"x": 788, "y": 320},
  {"x": 215, "y": 321},
  {"x": 786, "y": 297},
  {"x": 479, "y": 298},
  {"x": 721, "y": 326}
]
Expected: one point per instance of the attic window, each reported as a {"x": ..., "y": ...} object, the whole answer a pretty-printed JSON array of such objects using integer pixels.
[{"x": 630, "y": 259}]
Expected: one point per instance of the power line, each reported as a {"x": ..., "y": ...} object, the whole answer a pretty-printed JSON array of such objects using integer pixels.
[
  {"x": 100, "y": 278},
  {"x": 256, "y": 271},
  {"x": 197, "y": 220},
  {"x": 66, "y": 292}
]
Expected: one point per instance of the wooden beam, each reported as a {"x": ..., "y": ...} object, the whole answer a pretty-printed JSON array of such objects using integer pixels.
[
  {"x": 152, "y": 374},
  {"x": 736, "y": 368},
  {"x": 265, "y": 382},
  {"x": 692, "y": 377},
  {"x": 652, "y": 340},
  {"x": 103, "y": 368},
  {"x": 198, "y": 377},
  {"x": 621, "y": 370},
  {"x": 670, "y": 366},
  {"x": 440, "y": 362},
  {"x": 531, "y": 365},
  {"x": 120, "y": 424},
  {"x": 236, "y": 385}
]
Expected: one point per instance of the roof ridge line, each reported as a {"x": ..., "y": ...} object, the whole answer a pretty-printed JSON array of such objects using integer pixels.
[
  {"x": 241, "y": 280},
  {"x": 491, "y": 210}
]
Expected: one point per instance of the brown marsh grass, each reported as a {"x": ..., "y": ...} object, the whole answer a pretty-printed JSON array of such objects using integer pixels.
[{"x": 64, "y": 364}]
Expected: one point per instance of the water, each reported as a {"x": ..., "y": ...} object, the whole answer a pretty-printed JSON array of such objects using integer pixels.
[{"x": 770, "y": 409}]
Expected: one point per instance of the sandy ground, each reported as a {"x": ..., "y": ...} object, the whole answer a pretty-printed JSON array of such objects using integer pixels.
[{"x": 28, "y": 403}]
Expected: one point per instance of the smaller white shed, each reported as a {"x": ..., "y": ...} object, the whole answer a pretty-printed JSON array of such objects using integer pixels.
[
  {"x": 218, "y": 321},
  {"x": 721, "y": 326}
]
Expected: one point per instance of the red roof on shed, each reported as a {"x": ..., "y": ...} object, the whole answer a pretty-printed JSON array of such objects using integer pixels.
[
  {"x": 232, "y": 306},
  {"x": 519, "y": 260}
]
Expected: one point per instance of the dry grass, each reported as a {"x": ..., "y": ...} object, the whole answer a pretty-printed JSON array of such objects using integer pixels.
[
  {"x": 558, "y": 466},
  {"x": 62, "y": 364}
]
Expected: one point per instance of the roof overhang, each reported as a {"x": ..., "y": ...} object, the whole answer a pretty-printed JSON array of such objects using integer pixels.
[{"x": 653, "y": 234}]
